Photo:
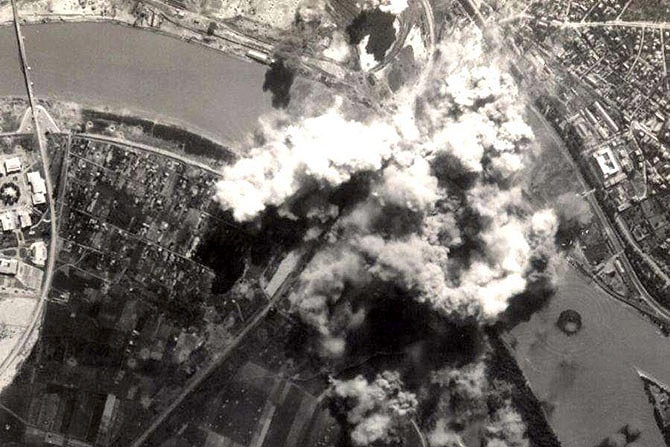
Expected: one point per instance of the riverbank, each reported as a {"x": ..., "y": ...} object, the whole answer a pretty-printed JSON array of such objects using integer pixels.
[
  {"x": 156, "y": 18},
  {"x": 506, "y": 368},
  {"x": 574, "y": 375},
  {"x": 658, "y": 394},
  {"x": 155, "y": 132},
  {"x": 121, "y": 124},
  {"x": 193, "y": 38},
  {"x": 144, "y": 74}
]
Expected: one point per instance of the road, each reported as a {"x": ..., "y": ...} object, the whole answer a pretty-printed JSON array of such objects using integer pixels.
[
  {"x": 51, "y": 262},
  {"x": 614, "y": 23},
  {"x": 475, "y": 14},
  {"x": 201, "y": 375},
  {"x": 220, "y": 357},
  {"x": 224, "y": 31},
  {"x": 147, "y": 148},
  {"x": 623, "y": 228},
  {"x": 419, "y": 433},
  {"x": 612, "y": 236},
  {"x": 406, "y": 26},
  {"x": 430, "y": 22}
]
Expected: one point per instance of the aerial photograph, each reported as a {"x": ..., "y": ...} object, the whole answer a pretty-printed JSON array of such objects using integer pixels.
[{"x": 334, "y": 223}]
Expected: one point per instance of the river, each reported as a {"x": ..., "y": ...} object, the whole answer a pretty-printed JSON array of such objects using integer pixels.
[
  {"x": 141, "y": 72},
  {"x": 590, "y": 377}
]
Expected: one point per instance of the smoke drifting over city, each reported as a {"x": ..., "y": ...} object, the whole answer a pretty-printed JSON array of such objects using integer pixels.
[
  {"x": 448, "y": 171},
  {"x": 379, "y": 406},
  {"x": 437, "y": 214}
]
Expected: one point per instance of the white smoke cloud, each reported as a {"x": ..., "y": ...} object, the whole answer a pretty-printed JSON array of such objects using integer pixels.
[
  {"x": 464, "y": 400},
  {"x": 544, "y": 224},
  {"x": 506, "y": 429},
  {"x": 375, "y": 409},
  {"x": 391, "y": 6},
  {"x": 468, "y": 383},
  {"x": 573, "y": 209},
  {"x": 412, "y": 187},
  {"x": 324, "y": 281},
  {"x": 328, "y": 148},
  {"x": 468, "y": 110},
  {"x": 441, "y": 436},
  {"x": 444, "y": 222}
]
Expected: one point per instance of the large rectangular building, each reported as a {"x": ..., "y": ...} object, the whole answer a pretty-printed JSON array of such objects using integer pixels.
[
  {"x": 38, "y": 186},
  {"x": 9, "y": 266},
  {"x": 607, "y": 162}
]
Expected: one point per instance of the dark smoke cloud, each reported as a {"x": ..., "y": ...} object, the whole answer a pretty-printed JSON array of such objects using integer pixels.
[{"x": 431, "y": 214}]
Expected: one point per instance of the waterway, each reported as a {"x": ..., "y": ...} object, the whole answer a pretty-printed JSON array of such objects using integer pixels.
[
  {"x": 141, "y": 72},
  {"x": 590, "y": 378}
]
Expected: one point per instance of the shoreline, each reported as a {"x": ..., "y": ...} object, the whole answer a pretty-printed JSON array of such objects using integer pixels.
[
  {"x": 164, "y": 127},
  {"x": 160, "y": 130},
  {"x": 236, "y": 50},
  {"x": 131, "y": 117},
  {"x": 82, "y": 105},
  {"x": 539, "y": 430},
  {"x": 659, "y": 414}
]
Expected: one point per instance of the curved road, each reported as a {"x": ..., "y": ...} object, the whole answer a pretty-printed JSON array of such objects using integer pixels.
[
  {"x": 147, "y": 148},
  {"x": 612, "y": 235}
]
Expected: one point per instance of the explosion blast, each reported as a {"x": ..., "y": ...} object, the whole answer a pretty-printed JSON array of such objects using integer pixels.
[{"x": 442, "y": 219}]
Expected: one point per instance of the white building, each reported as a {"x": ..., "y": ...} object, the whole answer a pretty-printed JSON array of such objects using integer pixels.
[
  {"x": 38, "y": 186},
  {"x": 24, "y": 218},
  {"x": 8, "y": 221},
  {"x": 607, "y": 162},
  {"x": 9, "y": 266},
  {"x": 13, "y": 165},
  {"x": 38, "y": 251}
]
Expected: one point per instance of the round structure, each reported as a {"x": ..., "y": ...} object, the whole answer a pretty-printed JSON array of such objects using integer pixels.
[
  {"x": 9, "y": 193},
  {"x": 569, "y": 322}
]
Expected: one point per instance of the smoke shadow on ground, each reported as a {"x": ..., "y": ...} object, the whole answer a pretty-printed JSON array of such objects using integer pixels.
[
  {"x": 523, "y": 306},
  {"x": 353, "y": 191},
  {"x": 223, "y": 236},
  {"x": 451, "y": 173},
  {"x": 376, "y": 24},
  {"x": 274, "y": 233},
  {"x": 401, "y": 333},
  {"x": 227, "y": 245},
  {"x": 278, "y": 80},
  {"x": 398, "y": 333}
]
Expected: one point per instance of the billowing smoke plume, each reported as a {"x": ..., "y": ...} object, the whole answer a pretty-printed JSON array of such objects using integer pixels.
[
  {"x": 466, "y": 397},
  {"x": 506, "y": 429},
  {"x": 374, "y": 410},
  {"x": 327, "y": 148},
  {"x": 442, "y": 436},
  {"x": 443, "y": 220},
  {"x": 574, "y": 214},
  {"x": 391, "y": 6}
]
